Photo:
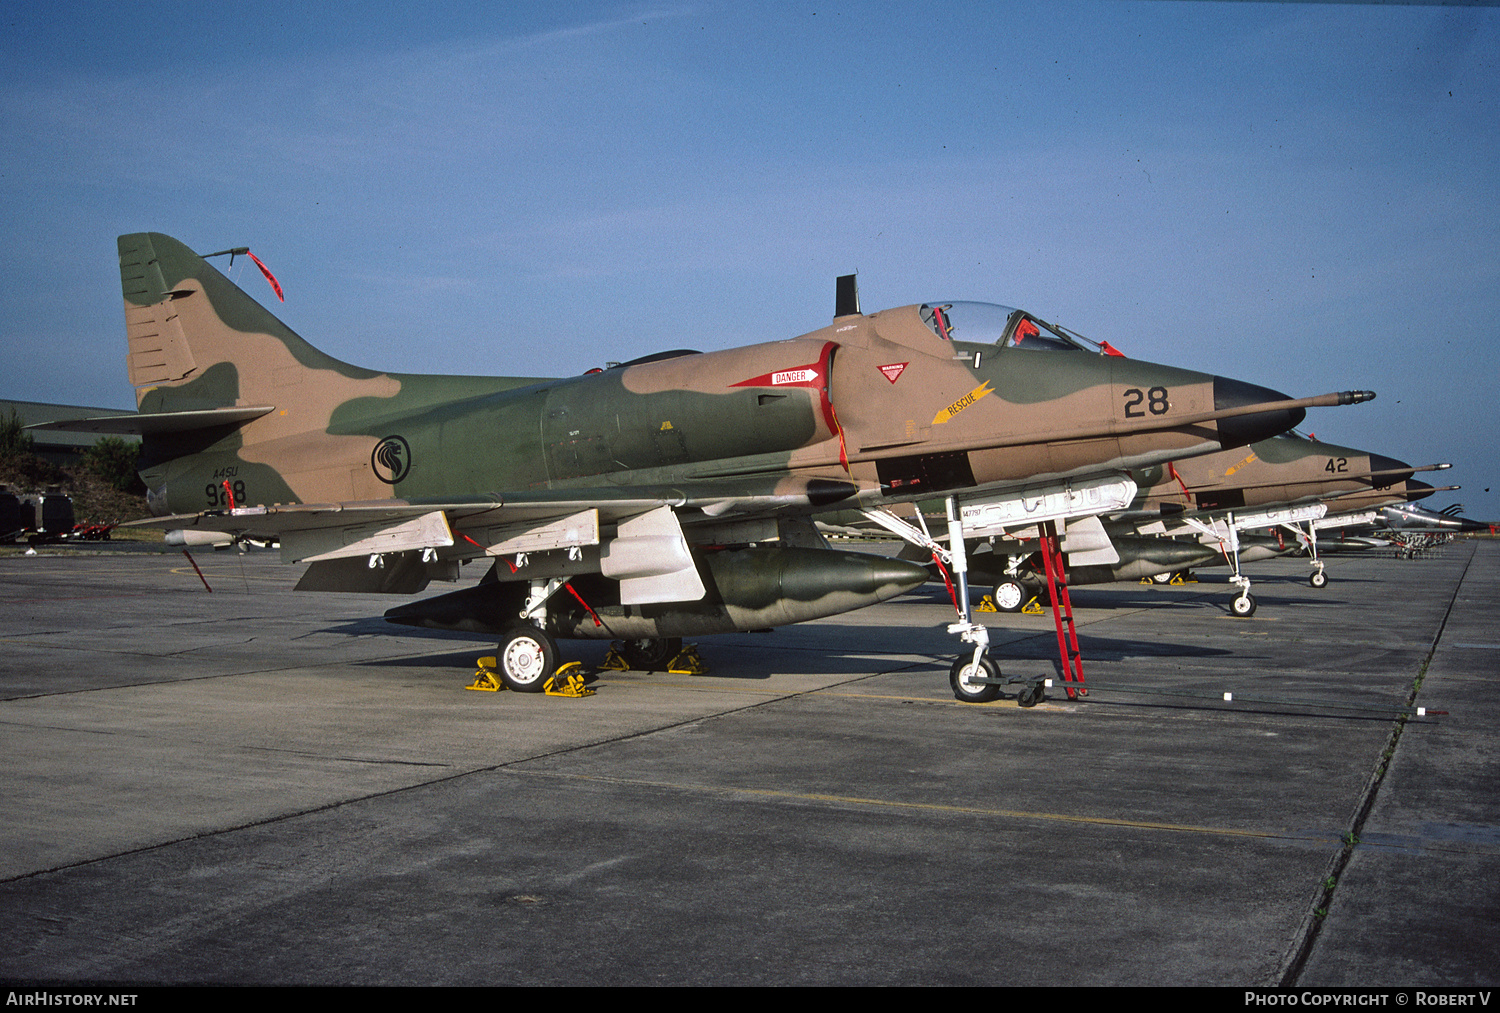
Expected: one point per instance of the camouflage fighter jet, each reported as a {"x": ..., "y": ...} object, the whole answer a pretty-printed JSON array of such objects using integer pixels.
[{"x": 664, "y": 497}]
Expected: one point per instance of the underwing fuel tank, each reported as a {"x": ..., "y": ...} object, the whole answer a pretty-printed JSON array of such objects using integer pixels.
[
  {"x": 747, "y": 589},
  {"x": 1146, "y": 557},
  {"x": 1139, "y": 557}
]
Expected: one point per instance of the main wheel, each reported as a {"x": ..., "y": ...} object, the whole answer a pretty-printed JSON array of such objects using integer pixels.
[
  {"x": 652, "y": 654},
  {"x": 1010, "y": 595},
  {"x": 1161, "y": 578},
  {"x": 965, "y": 675},
  {"x": 1243, "y": 606},
  {"x": 1318, "y": 578},
  {"x": 526, "y": 658}
]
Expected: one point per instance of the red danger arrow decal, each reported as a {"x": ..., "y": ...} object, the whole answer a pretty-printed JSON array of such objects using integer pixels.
[
  {"x": 809, "y": 375},
  {"x": 893, "y": 370}
]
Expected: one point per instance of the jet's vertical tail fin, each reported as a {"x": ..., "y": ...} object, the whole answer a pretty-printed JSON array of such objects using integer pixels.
[{"x": 197, "y": 341}]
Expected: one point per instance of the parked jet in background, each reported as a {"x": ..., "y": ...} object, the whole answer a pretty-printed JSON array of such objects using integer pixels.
[
  {"x": 667, "y": 496},
  {"x": 1195, "y": 512},
  {"x": 1410, "y": 517}
]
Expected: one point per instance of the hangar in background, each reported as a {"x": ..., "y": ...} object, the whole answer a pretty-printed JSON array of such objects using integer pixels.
[{"x": 62, "y": 449}]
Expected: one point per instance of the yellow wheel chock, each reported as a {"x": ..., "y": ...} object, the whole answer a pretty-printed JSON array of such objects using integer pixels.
[
  {"x": 485, "y": 680},
  {"x": 568, "y": 682},
  {"x": 986, "y": 604},
  {"x": 687, "y": 662},
  {"x": 1033, "y": 607},
  {"x": 1185, "y": 577}
]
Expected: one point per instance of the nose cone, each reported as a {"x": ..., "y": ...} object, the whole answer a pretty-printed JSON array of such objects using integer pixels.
[
  {"x": 1246, "y": 429},
  {"x": 1418, "y": 490},
  {"x": 1399, "y": 471}
]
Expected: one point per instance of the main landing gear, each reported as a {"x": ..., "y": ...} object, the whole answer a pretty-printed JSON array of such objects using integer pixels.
[
  {"x": 656, "y": 654},
  {"x": 651, "y": 655},
  {"x": 1010, "y": 595},
  {"x": 526, "y": 658}
]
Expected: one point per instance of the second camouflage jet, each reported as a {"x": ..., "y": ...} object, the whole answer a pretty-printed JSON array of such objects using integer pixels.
[{"x": 1192, "y": 513}]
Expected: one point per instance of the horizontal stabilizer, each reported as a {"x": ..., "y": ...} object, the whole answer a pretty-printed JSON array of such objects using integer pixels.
[{"x": 151, "y": 423}]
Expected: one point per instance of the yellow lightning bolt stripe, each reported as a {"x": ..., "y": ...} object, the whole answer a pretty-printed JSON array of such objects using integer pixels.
[
  {"x": 952, "y": 410},
  {"x": 1242, "y": 464}
]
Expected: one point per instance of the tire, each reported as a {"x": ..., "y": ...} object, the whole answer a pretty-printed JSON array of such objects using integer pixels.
[
  {"x": 973, "y": 692},
  {"x": 1318, "y": 579},
  {"x": 1031, "y": 695},
  {"x": 1161, "y": 578},
  {"x": 1243, "y": 606},
  {"x": 1010, "y": 595},
  {"x": 651, "y": 655},
  {"x": 526, "y": 658}
]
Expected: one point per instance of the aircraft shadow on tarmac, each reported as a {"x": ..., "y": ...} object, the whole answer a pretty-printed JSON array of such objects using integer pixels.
[
  {"x": 741, "y": 657},
  {"x": 1043, "y": 647}
]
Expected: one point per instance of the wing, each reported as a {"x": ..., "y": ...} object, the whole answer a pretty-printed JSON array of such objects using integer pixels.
[{"x": 637, "y": 535}]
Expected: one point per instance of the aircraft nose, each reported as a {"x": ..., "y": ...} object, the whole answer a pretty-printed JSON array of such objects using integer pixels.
[
  {"x": 1417, "y": 490},
  {"x": 1246, "y": 429},
  {"x": 1398, "y": 471}
]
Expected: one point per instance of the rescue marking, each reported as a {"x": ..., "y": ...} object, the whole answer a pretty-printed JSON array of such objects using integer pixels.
[
  {"x": 1236, "y": 467},
  {"x": 962, "y": 403}
]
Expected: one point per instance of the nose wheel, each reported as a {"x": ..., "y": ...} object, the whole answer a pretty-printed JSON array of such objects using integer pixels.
[
  {"x": 975, "y": 681},
  {"x": 1243, "y": 606}
]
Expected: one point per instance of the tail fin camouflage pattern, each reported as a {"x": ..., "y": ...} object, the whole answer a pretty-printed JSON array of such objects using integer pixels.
[
  {"x": 228, "y": 393},
  {"x": 198, "y": 342}
]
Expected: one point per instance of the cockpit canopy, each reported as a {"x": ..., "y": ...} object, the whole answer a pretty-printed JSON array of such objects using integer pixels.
[{"x": 988, "y": 324}]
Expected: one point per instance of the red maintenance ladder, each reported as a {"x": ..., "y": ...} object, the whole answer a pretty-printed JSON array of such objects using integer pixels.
[{"x": 1062, "y": 612}]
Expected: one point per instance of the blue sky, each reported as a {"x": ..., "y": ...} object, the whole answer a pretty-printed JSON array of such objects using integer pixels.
[{"x": 1300, "y": 195}]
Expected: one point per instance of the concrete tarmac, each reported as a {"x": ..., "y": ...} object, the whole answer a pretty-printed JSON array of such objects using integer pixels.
[{"x": 262, "y": 786}]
